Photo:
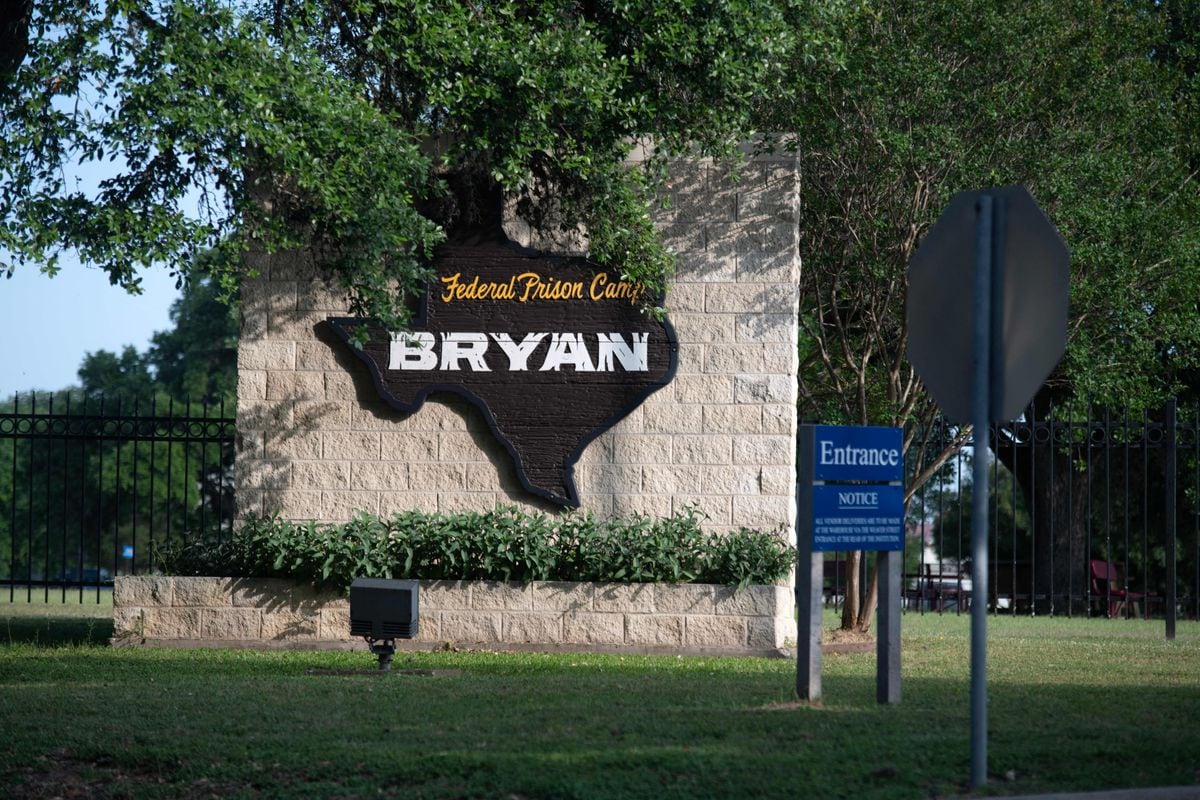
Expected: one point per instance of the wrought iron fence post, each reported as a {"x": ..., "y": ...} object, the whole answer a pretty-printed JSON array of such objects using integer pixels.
[{"x": 1169, "y": 424}]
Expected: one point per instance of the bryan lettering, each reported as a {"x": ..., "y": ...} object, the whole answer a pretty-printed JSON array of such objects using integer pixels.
[{"x": 599, "y": 352}]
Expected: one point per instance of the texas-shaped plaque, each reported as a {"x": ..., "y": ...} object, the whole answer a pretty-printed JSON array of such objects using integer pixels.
[{"x": 553, "y": 350}]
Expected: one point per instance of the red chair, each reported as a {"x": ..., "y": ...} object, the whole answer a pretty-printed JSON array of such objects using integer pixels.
[{"x": 1107, "y": 585}]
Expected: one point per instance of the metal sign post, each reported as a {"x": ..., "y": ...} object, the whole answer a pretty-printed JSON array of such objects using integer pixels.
[
  {"x": 810, "y": 575},
  {"x": 983, "y": 359},
  {"x": 887, "y": 644},
  {"x": 979, "y": 496}
]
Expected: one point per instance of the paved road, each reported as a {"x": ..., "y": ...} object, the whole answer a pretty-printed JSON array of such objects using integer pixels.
[{"x": 1163, "y": 793}]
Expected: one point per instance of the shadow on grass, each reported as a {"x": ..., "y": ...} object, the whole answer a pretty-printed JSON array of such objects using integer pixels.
[
  {"x": 53, "y": 631},
  {"x": 580, "y": 727}
]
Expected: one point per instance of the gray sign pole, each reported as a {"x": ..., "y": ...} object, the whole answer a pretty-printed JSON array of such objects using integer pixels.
[
  {"x": 980, "y": 363},
  {"x": 979, "y": 509},
  {"x": 887, "y": 645},
  {"x": 810, "y": 576}
]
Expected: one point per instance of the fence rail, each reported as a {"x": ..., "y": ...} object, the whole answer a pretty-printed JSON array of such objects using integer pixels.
[
  {"x": 91, "y": 427},
  {"x": 91, "y": 488}
]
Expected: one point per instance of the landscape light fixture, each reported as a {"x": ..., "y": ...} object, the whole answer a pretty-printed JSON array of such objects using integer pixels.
[{"x": 382, "y": 611}]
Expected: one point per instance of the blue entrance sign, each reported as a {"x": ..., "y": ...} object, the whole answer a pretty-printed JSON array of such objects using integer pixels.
[
  {"x": 849, "y": 497},
  {"x": 857, "y": 454},
  {"x": 858, "y": 517},
  {"x": 856, "y": 494}
]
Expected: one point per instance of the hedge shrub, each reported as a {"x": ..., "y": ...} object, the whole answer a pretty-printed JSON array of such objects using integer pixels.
[{"x": 504, "y": 544}]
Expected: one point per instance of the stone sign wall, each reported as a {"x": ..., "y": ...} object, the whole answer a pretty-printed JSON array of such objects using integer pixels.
[
  {"x": 639, "y": 617},
  {"x": 316, "y": 442}
]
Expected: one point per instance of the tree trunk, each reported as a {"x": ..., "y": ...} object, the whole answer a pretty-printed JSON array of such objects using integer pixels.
[
  {"x": 858, "y": 612},
  {"x": 867, "y": 614},
  {"x": 1055, "y": 493},
  {"x": 850, "y": 604}
]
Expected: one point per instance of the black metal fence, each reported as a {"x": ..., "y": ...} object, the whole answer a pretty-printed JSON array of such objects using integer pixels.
[
  {"x": 1083, "y": 502},
  {"x": 1094, "y": 512},
  {"x": 92, "y": 488}
]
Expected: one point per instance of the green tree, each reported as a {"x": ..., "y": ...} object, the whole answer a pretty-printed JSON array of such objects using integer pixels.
[
  {"x": 335, "y": 125},
  {"x": 1009, "y": 524},
  {"x": 1066, "y": 98},
  {"x": 195, "y": 359},
  {"x": 127, "y": 374}
]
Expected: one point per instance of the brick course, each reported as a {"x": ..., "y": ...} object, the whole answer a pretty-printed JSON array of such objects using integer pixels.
[{"x": 674, "y": 618}]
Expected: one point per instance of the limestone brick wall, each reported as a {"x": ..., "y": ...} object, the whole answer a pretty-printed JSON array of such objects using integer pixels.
[
  {"x": 668, "y": 618},
  {"x": 317, "y": 443}
]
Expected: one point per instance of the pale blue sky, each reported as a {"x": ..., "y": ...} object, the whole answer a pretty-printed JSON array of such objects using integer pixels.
[{"x": 51, "y": 323}]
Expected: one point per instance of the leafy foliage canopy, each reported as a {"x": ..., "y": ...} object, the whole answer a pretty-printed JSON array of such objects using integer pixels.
[{"x": 333, "y": 124}]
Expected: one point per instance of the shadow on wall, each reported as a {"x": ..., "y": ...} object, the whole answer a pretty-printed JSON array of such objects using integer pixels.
[
  {"x": 468, "y": 456},
  {"x": 322, "y": 444}
]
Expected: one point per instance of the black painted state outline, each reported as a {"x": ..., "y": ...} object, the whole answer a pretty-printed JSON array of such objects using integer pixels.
[{"x": 344, "y": 326}]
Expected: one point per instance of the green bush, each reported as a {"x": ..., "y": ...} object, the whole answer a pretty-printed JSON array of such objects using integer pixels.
[{"x": 504, "y": 544}]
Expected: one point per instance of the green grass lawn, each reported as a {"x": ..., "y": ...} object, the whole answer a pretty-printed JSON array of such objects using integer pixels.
[{"x": 1075, "y": 705}]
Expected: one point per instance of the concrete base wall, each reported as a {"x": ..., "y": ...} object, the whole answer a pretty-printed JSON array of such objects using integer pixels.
[{"x": 646, "y": 618}]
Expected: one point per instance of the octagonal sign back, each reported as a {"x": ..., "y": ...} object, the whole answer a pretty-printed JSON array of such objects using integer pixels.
[{"x": 1030, "y": 275}]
